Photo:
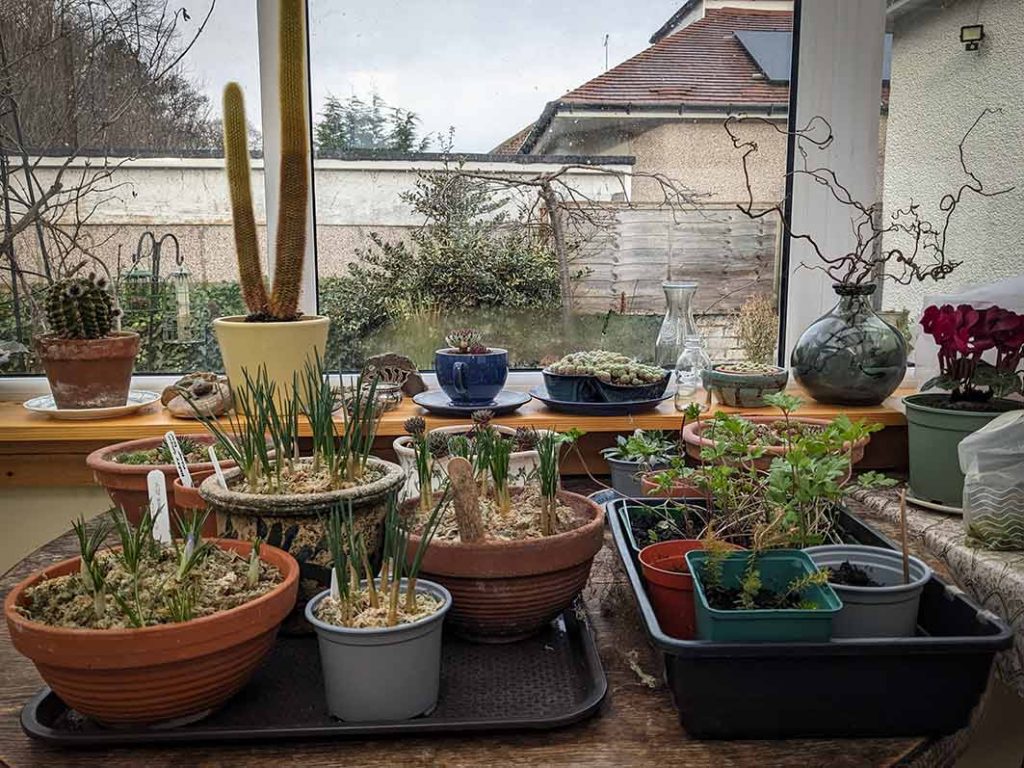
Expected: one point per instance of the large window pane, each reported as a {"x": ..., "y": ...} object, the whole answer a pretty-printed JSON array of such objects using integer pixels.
[
  {"x": 120, "y": 101},
  {"x": 568, "y": 189}
]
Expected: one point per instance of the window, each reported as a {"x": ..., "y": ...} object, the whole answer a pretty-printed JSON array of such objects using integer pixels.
[{"x": 121, "y": 102}]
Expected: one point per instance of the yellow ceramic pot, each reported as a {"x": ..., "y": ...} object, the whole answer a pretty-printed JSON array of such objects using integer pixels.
[{"x": 283, "y": 348}]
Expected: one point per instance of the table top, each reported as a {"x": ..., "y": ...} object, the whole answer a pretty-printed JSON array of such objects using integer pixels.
[
  {"x": 18, "y": 425},
  {"x": 637, "y": 725}
]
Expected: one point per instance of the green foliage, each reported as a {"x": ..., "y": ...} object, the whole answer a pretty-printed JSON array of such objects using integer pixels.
[
  {"x": 80, "y": 308},
  {"x": 647, "y": 447},
  {"x": 358, "y": 124}
]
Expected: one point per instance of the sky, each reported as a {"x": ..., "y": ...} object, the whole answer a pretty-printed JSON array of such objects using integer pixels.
[{"x": 486, "y": 67}]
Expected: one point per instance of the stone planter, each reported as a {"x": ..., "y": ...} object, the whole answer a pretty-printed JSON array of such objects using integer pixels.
[
  {"x": 295, "y": 522},
  {"x": 743, "y": 389},
  {"x": 522, "y": 464},
  {"x": 162, "y": 673},
  {"x": 503, "y": 591},
  {"x": 88, "y": 373}
]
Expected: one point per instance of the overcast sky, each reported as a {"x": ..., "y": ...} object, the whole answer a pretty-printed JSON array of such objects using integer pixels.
[{"x": 487, "y": 67}]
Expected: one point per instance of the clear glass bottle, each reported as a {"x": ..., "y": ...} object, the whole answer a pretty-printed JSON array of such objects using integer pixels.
[
  {"x": 677, "y": 325},
  {"x": 690, "y": 366}
]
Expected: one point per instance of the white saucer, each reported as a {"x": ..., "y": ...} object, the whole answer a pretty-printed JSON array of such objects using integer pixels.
[{"x": 137, "y": 399}]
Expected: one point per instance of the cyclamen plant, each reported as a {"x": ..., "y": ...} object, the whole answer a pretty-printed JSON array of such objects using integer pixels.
[{"x": 964, "y": 335}]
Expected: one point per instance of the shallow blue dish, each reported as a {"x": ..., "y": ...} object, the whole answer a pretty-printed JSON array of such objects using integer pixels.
[
  {"x": 623, "y": 408},
  {"x": 437, "y": 402}
]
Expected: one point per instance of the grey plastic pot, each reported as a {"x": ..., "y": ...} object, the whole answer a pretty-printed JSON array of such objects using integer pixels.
[
  {"x": 626, "y": 474},
  {"x": 886, "y": 611},
  {"x": 386, "y": 674}
]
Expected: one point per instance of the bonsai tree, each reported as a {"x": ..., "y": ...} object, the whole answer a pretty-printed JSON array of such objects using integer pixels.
[
  {"x": 964, "y": 336},
  {"x": 282, "y": 303}
]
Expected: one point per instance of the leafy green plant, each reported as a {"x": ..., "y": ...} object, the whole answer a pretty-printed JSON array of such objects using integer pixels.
[
  {"x": 647, "y": 448},
  {"x": 549, "y": 450},
  {"x": 416, "y": 428},
  {"x": 92, "y": 571}
]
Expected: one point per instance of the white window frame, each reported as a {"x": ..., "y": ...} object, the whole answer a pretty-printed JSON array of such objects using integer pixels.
[{"x": 838, "y": 57}]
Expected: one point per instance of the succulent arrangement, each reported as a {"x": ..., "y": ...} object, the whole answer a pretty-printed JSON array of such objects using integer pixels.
[
  {"x": 746, "y": 367},
  {"x": 608, "y": 367},
  {"x": 193, "y": 451},
  {"x": 81, "y": 308},
  {"x": 465, "y": 341},
  {"x": 143, "y": 583}
]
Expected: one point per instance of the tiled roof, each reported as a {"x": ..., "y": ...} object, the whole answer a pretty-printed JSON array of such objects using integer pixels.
[
  {"x": 700, "y": 64},
  {"x": 512, "y": 144}
]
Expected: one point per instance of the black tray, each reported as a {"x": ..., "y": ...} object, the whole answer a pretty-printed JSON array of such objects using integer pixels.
[
  {"x": 622, "y": 408},
  {"x": 548, "y": 681},
  {"x": 909, "y": 686}
]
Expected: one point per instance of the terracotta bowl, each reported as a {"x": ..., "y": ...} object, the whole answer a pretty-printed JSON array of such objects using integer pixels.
[
  {"x": 187, "y": 500},
  {"x": 126, "y": 483},
  {"x": 503, "y": 591},
  {"x": 695, "y": 441},
  {"x": 156, "y": 674},
  {"x": 680, "y": 489}
]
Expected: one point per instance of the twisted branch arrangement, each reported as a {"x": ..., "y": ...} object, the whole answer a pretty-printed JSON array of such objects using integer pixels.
[{"x": 867, "y": 259}]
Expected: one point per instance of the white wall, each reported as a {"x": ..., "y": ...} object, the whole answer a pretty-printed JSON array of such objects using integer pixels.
[{"x": 938, "y": 89}]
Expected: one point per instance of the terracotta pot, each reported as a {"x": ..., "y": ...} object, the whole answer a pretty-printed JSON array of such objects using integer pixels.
[
  {"x": 281, "y": 348},
  {"x": 295, "y": 522},
  {"x": 155, "y": 674},
  {"x": 188, "y": 500},
  {"x": 680, "y": 489},
  {"x": 507, "y": 590},
  {"x": 126, "y": 483},
  {"x": 695, "y": 442},
  {"x": 89, "y": 373}
]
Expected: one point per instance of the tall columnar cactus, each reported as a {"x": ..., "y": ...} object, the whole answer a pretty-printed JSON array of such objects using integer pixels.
[
  {"x": 293, "y": 198},
  {"x": 80, "y": 308}
]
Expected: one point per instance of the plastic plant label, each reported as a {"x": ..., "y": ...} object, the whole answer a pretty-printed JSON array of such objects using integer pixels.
[
  {"x": 216, "y": 467},
  {"x": 178, "y": 458},
  {"x": 157, "y": 484},
  {"x": 335, "y": 594}
]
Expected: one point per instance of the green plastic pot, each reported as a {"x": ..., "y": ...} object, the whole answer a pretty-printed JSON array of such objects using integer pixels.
[
  {"x": 933, "y": 434},
  {"x": 791, "y": 625}
]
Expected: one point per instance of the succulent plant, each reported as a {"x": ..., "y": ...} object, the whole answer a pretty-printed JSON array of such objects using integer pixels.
[
  {"x": 745, "y": 367},
  {"x": 81, "y": 308},
  {"x": 415, "y": 426},
  {"x": 466, "y": 341},
  {"x": 437, "y": 444},
  {"x": 525, "y": 438},
  {"x": 608, "y": 367}
]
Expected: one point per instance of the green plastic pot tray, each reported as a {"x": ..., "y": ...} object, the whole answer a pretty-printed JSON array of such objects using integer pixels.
[{"x": 778, "y": 568}]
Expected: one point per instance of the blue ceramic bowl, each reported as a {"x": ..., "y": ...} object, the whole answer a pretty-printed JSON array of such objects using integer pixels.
[
  {"x": 616, "y": 393},
  {"x": 574, "y": 389},
  {"x": 470, "y": 379}
]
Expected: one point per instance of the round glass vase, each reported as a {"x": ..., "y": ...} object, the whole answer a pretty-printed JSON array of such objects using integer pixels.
[
  {"x": 850, "y": 355},
  {"x": 690, "y": 367},
  {"x": 678, "y": 324}
]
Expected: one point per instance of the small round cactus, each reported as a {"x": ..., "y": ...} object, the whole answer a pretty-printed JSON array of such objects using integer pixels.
[
  {"x": 608, "y": 367},
  {"x": 81, "y": 308}
]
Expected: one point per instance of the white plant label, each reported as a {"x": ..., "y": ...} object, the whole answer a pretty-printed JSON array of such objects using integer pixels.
[
  {"x": 216, "y": 467},
  {"x": 335, "y": 594},
  {"x": 158, "y": 508},
  {"x": 179, "y": 459}
]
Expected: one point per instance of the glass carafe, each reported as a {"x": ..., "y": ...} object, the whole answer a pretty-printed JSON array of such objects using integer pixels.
[
  {"x": 678, "y": 324},
  {"x": 690, "y": 367}
]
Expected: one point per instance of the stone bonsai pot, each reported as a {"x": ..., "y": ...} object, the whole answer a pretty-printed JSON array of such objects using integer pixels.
[
  {"x": 744, "y": 385},
  {"x": 160, "y": 673},
  {"x": 126, "y": 483}
]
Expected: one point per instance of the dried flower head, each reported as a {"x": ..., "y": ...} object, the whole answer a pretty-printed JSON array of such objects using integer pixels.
[{"x": 415, "y": 426}]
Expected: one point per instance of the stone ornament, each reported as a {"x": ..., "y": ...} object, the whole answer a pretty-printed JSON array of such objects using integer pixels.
[{"x": 209, "y": 391}]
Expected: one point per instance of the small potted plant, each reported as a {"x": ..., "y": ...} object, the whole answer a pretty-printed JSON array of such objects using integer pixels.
[
  {"x": 632, "y": 455},
  {"x": 744, "y": 384},
  {"x": 425, "y": 455},
  {"x": 145, "y": 632},
  {"x": 87, "y": 362},
  {"x": 604, "y": 377},
  {"x": 379, "y": 629},
  {"x": 773, "y": 596},
  {"x": 877, "y": 600},
  {"x": 981, "y": 352},
  {"x": 276, "y": 492},
  {"x": 469, "y": 372},
  {"x": 512, "y": 558},
  {"x": 122, "y": 469}
]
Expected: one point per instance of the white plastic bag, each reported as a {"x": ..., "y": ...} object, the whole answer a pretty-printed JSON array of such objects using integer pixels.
[{"x": 992, "y": 460}]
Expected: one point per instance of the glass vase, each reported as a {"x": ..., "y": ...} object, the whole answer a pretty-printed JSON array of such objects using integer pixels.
[
  {"x": 678, "y": 324},
  {"x": 690, "y": 367},
  {"x": 850, "y": 356}
]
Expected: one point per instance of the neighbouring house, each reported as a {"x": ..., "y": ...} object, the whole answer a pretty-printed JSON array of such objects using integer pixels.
[{"x": 939, "y": 88}]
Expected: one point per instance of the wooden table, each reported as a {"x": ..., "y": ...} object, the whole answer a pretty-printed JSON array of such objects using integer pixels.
[
  {"x": 637, "y": 726},
  {"x": 36, "y": 450}
]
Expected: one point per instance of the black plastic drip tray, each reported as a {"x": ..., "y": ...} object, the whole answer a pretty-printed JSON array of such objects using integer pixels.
[{"x": 550, "y": 680}]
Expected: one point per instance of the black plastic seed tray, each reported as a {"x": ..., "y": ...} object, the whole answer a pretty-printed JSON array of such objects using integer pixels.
[
  {"x": 548, "y": 681},
  {"x": 914, "y": 686}
]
